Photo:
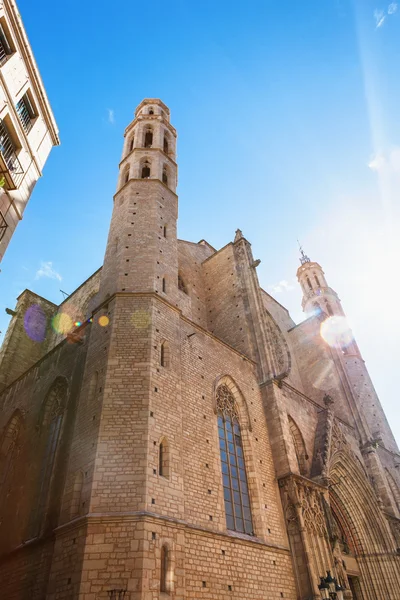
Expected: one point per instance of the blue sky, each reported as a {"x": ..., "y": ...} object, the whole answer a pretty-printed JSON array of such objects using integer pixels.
[{"x": 288, "y": 123}]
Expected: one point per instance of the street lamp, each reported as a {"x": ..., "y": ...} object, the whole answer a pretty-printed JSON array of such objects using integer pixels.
[{"x": 330, "y": 589}]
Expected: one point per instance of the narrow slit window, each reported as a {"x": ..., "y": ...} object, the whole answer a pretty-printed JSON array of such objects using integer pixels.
[
  {"x": 166, "y": 144},
  {"x": 317, "y": 281},
  {"x": 164, "y": 570},
  {"x": 164, "y": 285},
  {"x": 165, "y": 176},
  {"x": 165, "y": 231},
  {"x": 309, "y": 283},
  {"x": 132, "y": 144}
]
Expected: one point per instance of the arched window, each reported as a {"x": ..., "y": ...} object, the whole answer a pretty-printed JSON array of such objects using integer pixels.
[
  {"x": 126, "y": 175},
  {"x": 309, "y": 283},
  {"x": 164, "y": 285},
  {"x": 234, "y": 478},
  {"x": 165, "y": 176},
  {"x": 51, "y": 420},
  {"x": 132, "y": 143},
  {"x": 164, "y": 587},
  {"x": 164, "y": 354},
  {"x": 9, "y": 450},
  {"x": 299, "y": 446},
  {"x": 151, "y": 110},
  {"x": 76, "y": 495},
  {"x": 145, "y": 170},
  {"x": 163, "y": 458},
  {"x": 148, "y": 138},
  {"x": 181, "y": 284},
  {"x": 329, "y": 309},
  {"x": 317, "y": 281},
  {"x": 165, "y": 144}
]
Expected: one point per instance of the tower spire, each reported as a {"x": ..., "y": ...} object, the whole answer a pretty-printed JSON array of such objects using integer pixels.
[{"x": 303, "y": 257}]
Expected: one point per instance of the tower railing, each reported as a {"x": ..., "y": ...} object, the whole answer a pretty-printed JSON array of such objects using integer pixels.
[{"x": 10, "y": 167}]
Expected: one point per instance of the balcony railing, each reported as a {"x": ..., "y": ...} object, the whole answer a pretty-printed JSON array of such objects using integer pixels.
[
  {"x": 5, "y": 48},
  {"x": 10, "y": 167}
]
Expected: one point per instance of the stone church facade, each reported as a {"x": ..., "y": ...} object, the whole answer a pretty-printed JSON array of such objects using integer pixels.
[{"x": 168, "y": 432}]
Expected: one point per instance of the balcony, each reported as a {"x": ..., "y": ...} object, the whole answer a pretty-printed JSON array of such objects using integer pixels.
[
  {"x": 26, "y": 113},
  {"x": 10, "y": 167}
]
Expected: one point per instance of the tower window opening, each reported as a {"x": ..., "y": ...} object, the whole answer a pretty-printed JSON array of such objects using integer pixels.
[
  {"x": 164, "y": 354},
  {"x": 151, "y": 111},
  {"x": 148, "y": 138},
  {"x": 132, "y": 143},
  {"x": 165, "y": 176},
  {"x": 165, "y": 144},
  {"x": 164, "y": 570},
  {"x": 164, "y": 285},
  {"x": 146, "y": 170},
  {"x": 181, "y": 284},
  {"x": 329, "y": 309},
  {"x": 309, "y": 283},
  {"x": 163, "y": 458},
  {"x": 126, "y": 177},
  {"x": 317, "y": 281}
]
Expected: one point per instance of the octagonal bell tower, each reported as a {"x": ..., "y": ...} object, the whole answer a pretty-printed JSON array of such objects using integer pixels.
[
  {"x": 317, "y": 295},
  {"x": 141, "y": 254}
]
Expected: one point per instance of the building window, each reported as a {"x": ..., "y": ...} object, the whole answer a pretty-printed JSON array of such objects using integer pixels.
[
  {"x": 5, "y": 46},
  {"x": 329, "y": 309},
  {"x": 151, "y": 111},
  {"x": 51, "y": 421},
  {"x": 148, "y": 138},
  {"x": 165, "y": 144},
  {"x": 164, "y": 355},
  {"x": 165, "y": 176},
  {"x": 132, "y": 143},
  {"x": 126, "y": 175},
  {"x": 181, "y": 284},
  {"x": 309, "y": 283},
  {"x": 10, "y": 166},
  {"x": 164, "y": 285},
  {"x": 164, "y": 570},
  {"x": 234, "y": 478},
  {"x": 163, "y": 458},
  {"x": 3, "y": 226},
  {"x": 146, "y": 170},
  {"x": 26, "y": 112},
  {"x": 165, "y": 231},
  {"x": 317, "y": 281}
]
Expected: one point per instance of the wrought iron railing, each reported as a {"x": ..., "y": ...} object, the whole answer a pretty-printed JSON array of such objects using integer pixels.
[
  {"x": 3, "y": 226},
  {"x": 25, "y": 114},
  {"x": 10, "y": 167},
  {"x": 3, "y": 54}
]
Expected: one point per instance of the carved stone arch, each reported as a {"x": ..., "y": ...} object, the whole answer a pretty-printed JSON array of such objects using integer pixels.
[
  {"x": 240, "y": 402},
  {"x": 299, "y": 445},
  {"x": 279, "y": 347},
  {"x": 353, "y": 497},
  {"x": 10, "y": 445}
]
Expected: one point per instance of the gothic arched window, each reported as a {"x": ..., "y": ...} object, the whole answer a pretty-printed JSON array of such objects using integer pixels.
[
  {"x": 309, "y": 283},
  {"x": 145, "y": 170},
  {"x": 317, "y": 281},
  {"x": 126, "y": 175},
  {"x": 164, "y": 587},
  {"x": 132, "y": 143},
  {"x": 165, "y": 144},
  {"x": 9, "y": 450},
  {"x": 165, "y": 176},
  {"x": 148, "y": 138},
  {"x": 51, "y": 421},
  {"x": 234, "y": 478},
  {"x": 151, "y": 111}
]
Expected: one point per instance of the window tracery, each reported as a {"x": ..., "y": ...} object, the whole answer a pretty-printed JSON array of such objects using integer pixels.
[{"x": 234, "y": 478}]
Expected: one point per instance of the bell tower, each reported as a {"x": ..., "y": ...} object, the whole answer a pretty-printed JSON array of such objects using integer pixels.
[
  {"x": 141, "y": 254},
  {"x": 317, "y": 295}
]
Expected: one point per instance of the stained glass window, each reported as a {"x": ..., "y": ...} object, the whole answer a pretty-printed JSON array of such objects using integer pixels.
[{"x": 234, "y": 478}]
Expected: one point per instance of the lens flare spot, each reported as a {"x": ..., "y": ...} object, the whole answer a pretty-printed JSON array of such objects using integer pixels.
[
  {"x": 77, "y": 323},
  {"x": 62, "y": 323},
  {"x": 35, "y": 323},
  {"x": 104, "y": 321},
  {"x": 336, "y": 332}
]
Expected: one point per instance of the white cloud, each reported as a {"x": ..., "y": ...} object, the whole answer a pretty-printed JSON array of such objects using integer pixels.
[
  {"x": 379, "y": 17},
  {"x": 111, "y": 117},
  {"x": 388, "y": 163},
  {"x": 46, "y": 270},
  {"x": 392, "y": 8},
  {"x": 282, "y": 286}
]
